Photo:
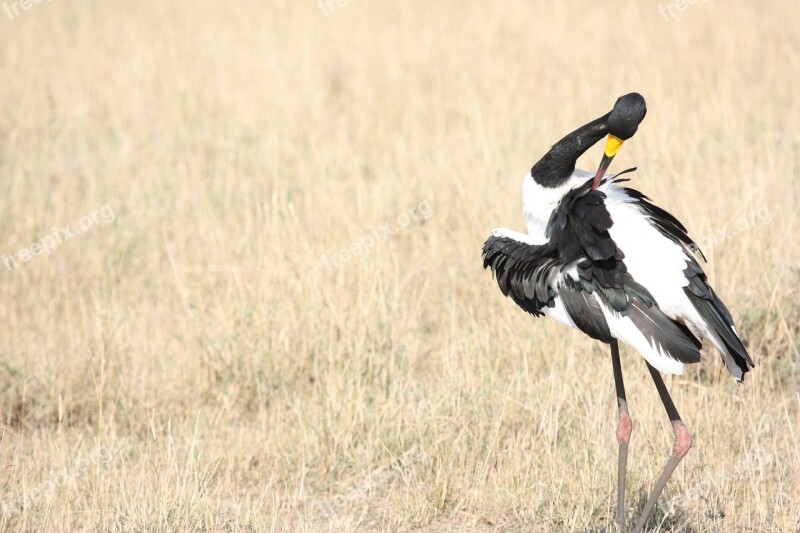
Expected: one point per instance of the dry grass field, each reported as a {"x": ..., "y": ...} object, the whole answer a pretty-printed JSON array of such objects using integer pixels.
[{"x": 241, "y": 276}]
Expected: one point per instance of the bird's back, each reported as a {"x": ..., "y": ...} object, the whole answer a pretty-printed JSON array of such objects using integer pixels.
[{"x": 661, "y": 256}]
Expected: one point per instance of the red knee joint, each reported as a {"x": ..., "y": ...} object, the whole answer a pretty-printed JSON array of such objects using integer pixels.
[
  {"x": 624, "y": 428},
  {"x": 683, "y": 441}
]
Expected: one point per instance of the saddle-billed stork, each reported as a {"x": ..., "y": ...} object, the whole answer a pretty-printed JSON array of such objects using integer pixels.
[{"x": 601, "y": 258}]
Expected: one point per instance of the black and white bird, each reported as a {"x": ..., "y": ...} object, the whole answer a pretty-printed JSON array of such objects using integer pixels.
[{"x": 600, "y": 257}]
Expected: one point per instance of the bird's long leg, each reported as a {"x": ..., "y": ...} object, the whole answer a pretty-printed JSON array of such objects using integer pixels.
[
  {"x": 623, "y": 434},
  {"x": 681, "y": 447}
]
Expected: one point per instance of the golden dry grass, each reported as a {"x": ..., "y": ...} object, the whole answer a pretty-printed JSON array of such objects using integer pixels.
[{"x": 195, "y": 365}]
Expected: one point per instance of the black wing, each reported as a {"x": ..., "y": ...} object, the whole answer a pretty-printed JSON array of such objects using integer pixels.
[
  {"x": 578, "y": 230},
  {"x": 577, "y": 237},
  {"x": 525, "y": 272}
]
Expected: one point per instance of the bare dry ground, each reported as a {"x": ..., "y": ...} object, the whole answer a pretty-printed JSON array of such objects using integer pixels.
[{"x": 207, "y": 324}]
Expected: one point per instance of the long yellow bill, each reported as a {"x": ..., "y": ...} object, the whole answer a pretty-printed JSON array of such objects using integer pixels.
[{"x": 613, "y": 144}]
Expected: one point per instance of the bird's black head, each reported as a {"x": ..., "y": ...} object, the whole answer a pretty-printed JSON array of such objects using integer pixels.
[
  {"x": 628, "y": 113},
  {"x": 621, "y": 123}
]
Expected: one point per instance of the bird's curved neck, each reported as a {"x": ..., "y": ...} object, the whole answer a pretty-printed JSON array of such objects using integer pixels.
[{"x": 557, "y": 165}]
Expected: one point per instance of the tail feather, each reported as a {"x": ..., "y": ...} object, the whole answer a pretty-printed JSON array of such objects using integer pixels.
[
  {"x": 727, "y": 341},
  {"x": 720, "y": 322}
]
